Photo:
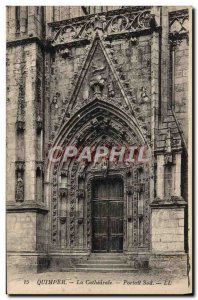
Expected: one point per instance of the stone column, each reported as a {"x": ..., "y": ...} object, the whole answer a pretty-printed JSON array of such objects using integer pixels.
[
  {"x": 165, "y": 62},
  {"x": 30, "y": 132},
  {"x": 177, "y": 177},
  {"x": 154, "y": 83},
  {"x": 49, "y": 14},
  {"x": 56, "y": 13},
  {"x": 160, "y": 176},
  {"x": 12, "y": 22},
  {"x": 23, "y": 20},
  {"x": 129, "y": 200},
  {"x": 31, "y": 21}
]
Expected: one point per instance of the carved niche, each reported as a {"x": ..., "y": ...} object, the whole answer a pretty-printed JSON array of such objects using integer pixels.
[
  {"x": 19, "y": 190},
  {"x": 20, "y": 123}
]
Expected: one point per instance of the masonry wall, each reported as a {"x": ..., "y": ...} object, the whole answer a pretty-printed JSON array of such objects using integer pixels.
[
  {"x": 25, "y": 21},
  {"x": 181, "y": 85},
  {"x": 11, "y": 113},
  {"x": 21, "y": 69},
  {"x": 26, "y": 228},
  {"x": 29, "y": 21},
  {"x": 21, "y": 231},
  {"x": 42, "y": 229},
  {"x": 167, "y": 230}
]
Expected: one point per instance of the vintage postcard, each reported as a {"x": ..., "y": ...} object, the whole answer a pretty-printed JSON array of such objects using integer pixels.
[{"x": 99, "y": 150}]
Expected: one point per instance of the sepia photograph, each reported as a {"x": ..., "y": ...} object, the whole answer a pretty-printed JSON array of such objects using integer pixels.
[{"x": 99, "y": 150}]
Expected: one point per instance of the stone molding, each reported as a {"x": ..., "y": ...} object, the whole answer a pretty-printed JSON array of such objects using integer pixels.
[
  {"x": 30, "y": 206},
  {"x": 173, "y": 202}
]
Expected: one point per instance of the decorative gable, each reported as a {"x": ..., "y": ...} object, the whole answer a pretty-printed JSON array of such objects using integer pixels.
[{"x": 98, "y": 80}]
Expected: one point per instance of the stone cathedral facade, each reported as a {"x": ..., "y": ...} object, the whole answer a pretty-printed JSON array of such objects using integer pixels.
[{"x": 86, "y": 76}]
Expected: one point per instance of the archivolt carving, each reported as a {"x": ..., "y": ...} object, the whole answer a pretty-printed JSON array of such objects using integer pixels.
[
  {"x": 93, "y": 113},
  {"x": 54, "y": 205},
  {"x": 103, "y": 126}
]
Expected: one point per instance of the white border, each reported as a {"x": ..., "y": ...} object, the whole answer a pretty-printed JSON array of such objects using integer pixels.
[{"x": 3, "y": 106}]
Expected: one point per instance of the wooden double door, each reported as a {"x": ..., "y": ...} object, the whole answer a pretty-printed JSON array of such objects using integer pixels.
[{"x": 107, "y": 215}]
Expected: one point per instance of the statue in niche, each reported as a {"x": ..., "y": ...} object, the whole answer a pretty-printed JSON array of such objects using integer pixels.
[
  {"x": 168, "y": 141},
  {"x": 144, "y": 95},
  {"x": 111, "y": 92},
  {"x": 98, "y": 22},
  {"x": 168, "y": 155},
  {"x": 82, "y": 170},
  {"x": 97, "y": 85},
  {"x": 96, "y": 165},
  {"x": 98, "y": 78},
  {"x": 115, "y": 162},
  {"x": 102, "y": 165},
  {"x": 55, "y": 100},
  {"x": 19, "y": 187}
]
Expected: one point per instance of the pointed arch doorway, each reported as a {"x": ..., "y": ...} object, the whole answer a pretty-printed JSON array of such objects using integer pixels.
[{"x": 107, "y": 215}]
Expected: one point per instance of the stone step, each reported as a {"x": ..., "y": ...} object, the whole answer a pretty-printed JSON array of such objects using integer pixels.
[
  {"x": 116, "y": 254},
  {"x": 101, "y": 270},
  {"x": 106, "y": 257},
  {"x": 105, "y": 261},
  {"x": 104, "y": 266}
]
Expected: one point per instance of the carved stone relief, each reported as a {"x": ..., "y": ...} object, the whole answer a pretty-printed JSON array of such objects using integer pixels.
[
  {"x": 126, "y": 21},
  {"x": 20, "y": 123},
  {"x": 179, "y": 27},
  {"x": 20, "y": 168}
]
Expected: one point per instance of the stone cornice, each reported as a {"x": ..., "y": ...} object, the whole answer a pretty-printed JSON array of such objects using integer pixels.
[
  {"x": 29, "y": 206},
  {"x": 176, "y": 38},
  {"x": 182, "y": 13},
  {"x": 75, "y": 43},
  {"x": 173, "y": 151},
  {"x": 26, "y": 41},
  {"x": 173, "y": 202},
  {"x": 45, "y": 45}
]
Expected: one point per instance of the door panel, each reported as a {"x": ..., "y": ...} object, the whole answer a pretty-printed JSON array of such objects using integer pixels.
[
  {"x": 116, "y": 244},
  {"x": 107, "y": 211}
]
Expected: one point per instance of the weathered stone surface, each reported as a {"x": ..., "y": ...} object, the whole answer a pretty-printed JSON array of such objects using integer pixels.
[{"x": 167, "y": 230}]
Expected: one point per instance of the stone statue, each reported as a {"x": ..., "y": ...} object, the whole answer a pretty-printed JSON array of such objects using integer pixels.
[
  {"x": 19, "y": 188},
  {"x": 82, "y": 170}
]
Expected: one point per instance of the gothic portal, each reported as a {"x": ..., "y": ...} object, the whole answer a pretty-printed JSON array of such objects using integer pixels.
[{"x": 89, "y": 77}]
